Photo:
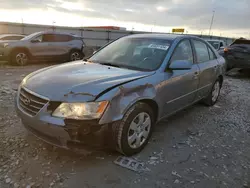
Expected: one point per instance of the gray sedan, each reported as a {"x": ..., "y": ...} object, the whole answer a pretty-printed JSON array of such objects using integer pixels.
[{"x": 117, "y": 96}]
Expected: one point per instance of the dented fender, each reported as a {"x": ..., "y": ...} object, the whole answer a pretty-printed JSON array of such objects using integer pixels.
[{"x": 125, "y": 96}]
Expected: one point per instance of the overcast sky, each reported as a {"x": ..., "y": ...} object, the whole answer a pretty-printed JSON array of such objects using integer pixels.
[{"x": 231, "y": 16}]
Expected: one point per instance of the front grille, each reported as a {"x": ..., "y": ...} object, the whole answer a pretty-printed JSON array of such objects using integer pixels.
[{"x": 30, "y": 103}]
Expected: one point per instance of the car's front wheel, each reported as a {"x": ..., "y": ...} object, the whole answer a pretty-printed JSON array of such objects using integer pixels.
[
  {"x": 75, "y": 55},
  {"x": 131, "y": 134},
  {"x": 19, "y": 57}
]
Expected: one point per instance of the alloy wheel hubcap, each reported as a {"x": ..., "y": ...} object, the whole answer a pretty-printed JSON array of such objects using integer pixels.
[
  {"x": 75, "y": 56},
  {"x": 21, "y": 58},
  {"x": 139, "y": 130},
  {"x": 216, "y": 91}
]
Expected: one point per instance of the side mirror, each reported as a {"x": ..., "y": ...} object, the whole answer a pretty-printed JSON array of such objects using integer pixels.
[
  {"x": 35, "y": 41},
  {"x": 180, "y": 65}
]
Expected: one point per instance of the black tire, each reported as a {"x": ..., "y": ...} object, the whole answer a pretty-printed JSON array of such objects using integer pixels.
[
  {"x": 210, "y": 100},
  {"x": 75, "y": 55},
  {"x": 120, "y": 130},
  {"x": 19, "y": 57}
]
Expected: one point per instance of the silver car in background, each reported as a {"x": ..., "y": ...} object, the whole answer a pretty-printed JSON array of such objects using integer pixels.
[
  {"x": 116, "y": 97},
  {"x": 11, "y": 37},
  {"x": 42, "y": 46},
  {"x": 217, "y": 44}
]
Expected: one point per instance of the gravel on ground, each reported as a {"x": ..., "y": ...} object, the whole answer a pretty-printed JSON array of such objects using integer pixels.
[{"x": 205, "y": 147}]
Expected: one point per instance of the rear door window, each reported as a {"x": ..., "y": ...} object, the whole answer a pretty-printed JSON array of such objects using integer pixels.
[
  {"x": 201, "y": 50},
  {"x": 63, "y": 38},
  {"x": 48, "y": 38}
]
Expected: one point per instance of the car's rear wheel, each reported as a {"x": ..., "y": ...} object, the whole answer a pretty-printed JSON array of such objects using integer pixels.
[
  {"x": 75, "y": 55},
  {"x": 213, "y": 96},
  {"x": 132, "y": 133},
  {"x": 20, "y": 57}
]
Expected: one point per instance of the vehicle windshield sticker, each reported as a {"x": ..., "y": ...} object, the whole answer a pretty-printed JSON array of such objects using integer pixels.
[{"x": 158, "y": 46}]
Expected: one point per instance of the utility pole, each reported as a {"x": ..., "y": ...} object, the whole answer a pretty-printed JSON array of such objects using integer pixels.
[
  {"x": 153, "y": 27},
  {"x": 22, "y": 27},
  {"x": 211, "y": 24},
  {"x": 53, "y": 25}
]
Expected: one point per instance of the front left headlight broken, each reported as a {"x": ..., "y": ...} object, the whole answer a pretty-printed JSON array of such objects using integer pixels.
[{"x": 81, "y": 111}]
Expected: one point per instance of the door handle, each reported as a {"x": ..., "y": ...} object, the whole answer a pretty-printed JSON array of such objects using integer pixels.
[{"x": 196, "y": 75}]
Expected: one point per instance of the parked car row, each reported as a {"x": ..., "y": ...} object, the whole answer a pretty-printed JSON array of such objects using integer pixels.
[
  {"x": 115, "y": 97},
  {"x": 41, "y": 46},
  {"x": 11, "y": 37}
]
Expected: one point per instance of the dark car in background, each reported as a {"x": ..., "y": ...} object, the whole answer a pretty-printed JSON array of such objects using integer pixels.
[
  {"x": 11, "y": 37},
  {"x": 237, "y": 55},
  {"x": 117, "y": 96},
  {"x": 42, "y": 46}
]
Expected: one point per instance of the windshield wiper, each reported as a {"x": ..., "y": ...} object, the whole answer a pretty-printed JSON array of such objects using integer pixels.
[{"x": 110, "y": 64}]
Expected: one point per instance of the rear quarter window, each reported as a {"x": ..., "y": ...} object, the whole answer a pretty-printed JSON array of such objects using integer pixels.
[{"x": 211, "y": 54}]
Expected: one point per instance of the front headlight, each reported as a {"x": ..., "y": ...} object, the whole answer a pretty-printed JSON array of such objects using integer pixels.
[{"x": 81, "y": 111}]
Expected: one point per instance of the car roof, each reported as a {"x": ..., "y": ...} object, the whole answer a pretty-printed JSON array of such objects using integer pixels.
[
  {"x": 161, "y": 36},
  {"x": 214, "y": 40},
  {"x": 56, "y": 32},
  {"x": 241, "y": 41}
]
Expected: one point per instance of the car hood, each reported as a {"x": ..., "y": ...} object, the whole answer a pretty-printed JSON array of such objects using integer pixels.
[{"x": 78, "y": 81}]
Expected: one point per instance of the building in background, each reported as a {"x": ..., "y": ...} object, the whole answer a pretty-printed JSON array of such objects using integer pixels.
[
  {"x": 94, "y": 36},
  {"x": 106, "y": 28}
]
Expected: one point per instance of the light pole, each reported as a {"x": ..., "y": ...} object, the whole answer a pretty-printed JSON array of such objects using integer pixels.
[
  {"x": 22, "y": 27},
  {"x": 211, "y": 24},
  {"x": 153, "y": 26},
  {"x": 53, "y": 25}
]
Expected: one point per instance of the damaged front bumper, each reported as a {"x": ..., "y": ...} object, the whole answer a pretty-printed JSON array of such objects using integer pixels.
[{"x": 64, "y": 133}]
